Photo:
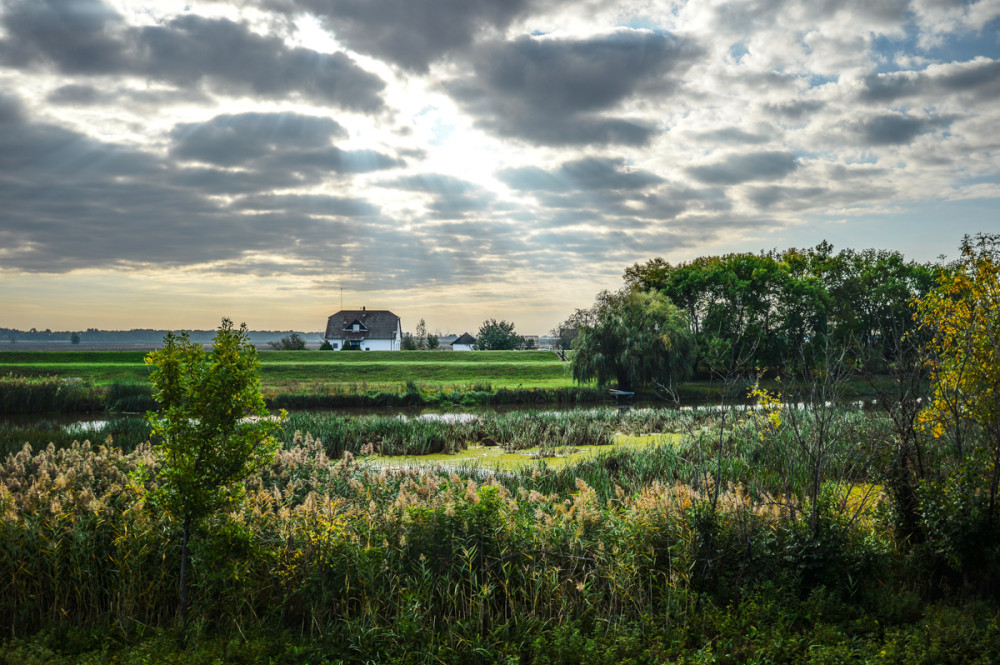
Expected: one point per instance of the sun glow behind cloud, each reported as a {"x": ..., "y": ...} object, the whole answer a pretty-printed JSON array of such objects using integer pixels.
[{"x": 165, "y": 163}]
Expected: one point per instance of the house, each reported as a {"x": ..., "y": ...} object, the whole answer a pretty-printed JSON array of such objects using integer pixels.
[
  {"x": 463, "y": 343},
  {"x": 365, "y": 330}
]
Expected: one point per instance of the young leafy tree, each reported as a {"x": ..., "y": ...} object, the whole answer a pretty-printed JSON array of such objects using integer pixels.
[
  {"x": 635, "y": 338},
  {"x": 497, "y": 336},
  {"x": 432, "y": 341},
  {"x": 213, "y": 426}
]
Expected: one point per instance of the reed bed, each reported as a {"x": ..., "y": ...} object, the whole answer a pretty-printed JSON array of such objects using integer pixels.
[
  {"x": 512, "y": 430},
  {"x": 23, "y": 395},
  {"x": 317, "y": 543},
  {"x": 637, "y": 547}
]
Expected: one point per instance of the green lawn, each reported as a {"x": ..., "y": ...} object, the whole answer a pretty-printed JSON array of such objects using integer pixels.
[{"x": 301, "y": 370}]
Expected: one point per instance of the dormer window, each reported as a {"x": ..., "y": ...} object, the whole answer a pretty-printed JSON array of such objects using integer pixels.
[{"x": 355, "y": 326}]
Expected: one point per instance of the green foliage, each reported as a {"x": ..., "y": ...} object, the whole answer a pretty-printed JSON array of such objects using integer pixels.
[
  {"x": 779, "y": 309},
  {"x": 326, "y": 346},
  {"x": 408, "y": 343},
  {"x": 497, "y": 336},
  {"x": 213, "y": 426},
  {"x": 620, "y": 559},
  {"x": 635, "y": 338},
  {"x": 74, "y": 338},
  {"x": 432, "y": 342}
]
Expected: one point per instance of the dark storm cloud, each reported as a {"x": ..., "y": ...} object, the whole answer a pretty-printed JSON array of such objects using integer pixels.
[
  {"x": 560, "y": 92},
  {"x": 980, "y": 77},
  {"x": 737, "y": 169},
  {"x": 84, "y": 37},
  {"x": 410, "y": 33}
]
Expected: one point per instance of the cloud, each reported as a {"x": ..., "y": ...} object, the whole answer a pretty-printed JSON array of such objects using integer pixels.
[
  {"x": 890, "y": 129},
  {"x": 85, "y": 37},
  {"x": 275, "y": 143},
  {"x": 77, "y": 36},
  {"x": 588, "y": 174},
  {"x": 409, "y": 33},
  {"x": 732, "y": 135},
  {"x": 228, "y": 140},
  {"x": 979, "y": 77},
  {"x": 737, "y": 169},
  {"x": 452, "y": 197},
  {"x": 570, "y": 91},
  {"x": 73, "y": 202},
  {"x": 795, "y": 109}
]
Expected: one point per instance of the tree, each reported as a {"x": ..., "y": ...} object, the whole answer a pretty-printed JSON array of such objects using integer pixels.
[
  {"x": 432, "y": 341},
  {"x": 635, "y": 338},
  {"x": 293, "y": 342},
  {"x": 420, "y": 335},
  {"x": 497, "y": 336},
  {"x": 326, "y": 346},
  {"x": 213, "y": 427},
  {"x": 74, "y": 338},
  {"x": 963, "y": 316},
  {"x": 407, "y": 344}
]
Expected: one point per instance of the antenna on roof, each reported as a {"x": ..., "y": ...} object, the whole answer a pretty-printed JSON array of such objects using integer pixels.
[{"x": 341, "y": 298}]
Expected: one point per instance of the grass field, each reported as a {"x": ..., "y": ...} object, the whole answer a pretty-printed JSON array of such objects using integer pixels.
[{"x": 320, "y": 370}]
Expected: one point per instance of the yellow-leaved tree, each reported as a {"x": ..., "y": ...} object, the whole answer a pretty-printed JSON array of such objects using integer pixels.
[{"x": 962, "y": 317}]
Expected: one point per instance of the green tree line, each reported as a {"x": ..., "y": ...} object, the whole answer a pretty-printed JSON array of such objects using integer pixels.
[{"x": 781, "y": 310}]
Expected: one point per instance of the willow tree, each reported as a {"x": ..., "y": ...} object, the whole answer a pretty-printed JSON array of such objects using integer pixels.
[
  {"x": 213, "y": 427},
  {"x": 634, "y": 338}
]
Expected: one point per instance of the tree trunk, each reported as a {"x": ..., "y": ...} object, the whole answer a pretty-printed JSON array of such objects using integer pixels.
[{"x": 182, "y": 584}]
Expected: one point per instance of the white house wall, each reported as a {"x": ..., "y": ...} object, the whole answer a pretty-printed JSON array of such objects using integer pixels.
[{"x": 370, "y": 344}]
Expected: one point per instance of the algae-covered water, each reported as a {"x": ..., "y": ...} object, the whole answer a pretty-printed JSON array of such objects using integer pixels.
[{"x": 495, "y": 458}]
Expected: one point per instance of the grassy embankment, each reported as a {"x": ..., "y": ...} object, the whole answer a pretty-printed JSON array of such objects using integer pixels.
[
  {"x": 79, "y": 381},
  {"x": 715, "y": 547},
  {"x": 118, "y": 380},
  {"x": 293, "y": 371}
]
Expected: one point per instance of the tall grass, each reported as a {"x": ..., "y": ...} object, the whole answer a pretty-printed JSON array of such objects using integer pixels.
[
  {"x": 512, "y": 430},
  {"x": 327, "y": 548},
  {"x": 22, "y": 395}
]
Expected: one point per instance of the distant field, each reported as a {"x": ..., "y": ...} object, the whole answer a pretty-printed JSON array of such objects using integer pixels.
[{"x": 307, "y": 370}]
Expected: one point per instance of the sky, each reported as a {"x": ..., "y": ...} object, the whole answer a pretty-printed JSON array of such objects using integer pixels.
[{"x": 164, "y": 164}]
